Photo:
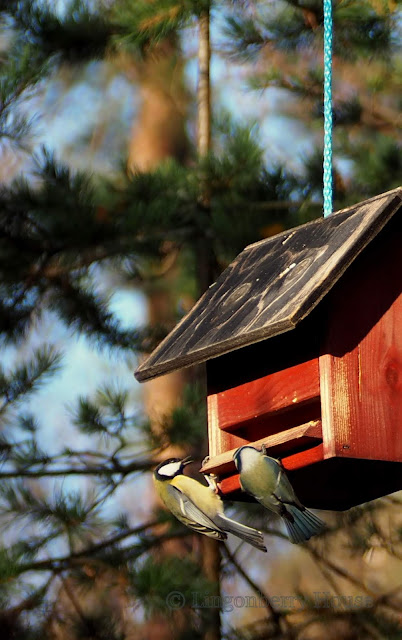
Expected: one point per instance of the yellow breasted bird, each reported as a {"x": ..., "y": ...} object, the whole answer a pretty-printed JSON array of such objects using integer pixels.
[
  {"x": 198, "y": 506},
  {"x": 265, "y": 479}
]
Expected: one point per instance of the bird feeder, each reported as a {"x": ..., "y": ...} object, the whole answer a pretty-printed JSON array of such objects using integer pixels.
[{"x": 302, "y": 340}]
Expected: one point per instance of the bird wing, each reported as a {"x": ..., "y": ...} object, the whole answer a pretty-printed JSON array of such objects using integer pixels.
[
  {"x": 275, "y": 488},
  {"x": 283, "y": 491},
  {"x": 193, "y": 517}
]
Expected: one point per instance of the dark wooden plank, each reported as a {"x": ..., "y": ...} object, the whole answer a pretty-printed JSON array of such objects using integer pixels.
[
  {"x": 271, "y": 286},
  {"x": 278, "y": 444},
  {"x": 269, "y": 356},
  {"x": 361, "y": 365},
  {"x": 356, "y": 481},
  {"x": 273, "y": 393}
]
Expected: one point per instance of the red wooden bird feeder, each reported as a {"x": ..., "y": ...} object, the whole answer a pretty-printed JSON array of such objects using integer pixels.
[{"x": 302, "y": 338}]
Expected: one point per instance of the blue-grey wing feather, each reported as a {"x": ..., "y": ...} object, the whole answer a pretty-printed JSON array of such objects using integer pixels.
[
  {"x": 193, "y": 516},
  {"x": 284, "y": 491}
]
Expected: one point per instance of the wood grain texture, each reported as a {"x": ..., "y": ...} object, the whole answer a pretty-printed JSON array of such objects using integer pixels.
[
  {"x": 218, "y": 440},
  {"x": 361, "y": 365},
  {"x": 261, "y": 398},
  {"x": 271, "y": 286},
  {"x": 279, "y": 444}
]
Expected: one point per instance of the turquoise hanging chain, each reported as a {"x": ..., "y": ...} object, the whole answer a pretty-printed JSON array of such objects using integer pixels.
[{"x": 328, "y": 187}]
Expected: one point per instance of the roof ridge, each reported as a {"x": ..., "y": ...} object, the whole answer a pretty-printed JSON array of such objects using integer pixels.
[{"x": 284, "y": 284}]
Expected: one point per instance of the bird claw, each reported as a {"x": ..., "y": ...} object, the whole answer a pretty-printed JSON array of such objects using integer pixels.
[
  {"x": 212, "y": 480},
  {"x": 264, "y": 451}
]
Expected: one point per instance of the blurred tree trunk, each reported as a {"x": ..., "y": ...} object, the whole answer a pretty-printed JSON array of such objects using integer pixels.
[
  {"x": 159, "y": 130},
  {"x": 157, "y": 134},
  {"x": 211, "y": 557}
]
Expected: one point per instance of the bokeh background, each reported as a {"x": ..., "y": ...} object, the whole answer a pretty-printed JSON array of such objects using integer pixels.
[{"x": 111, "y": 226}]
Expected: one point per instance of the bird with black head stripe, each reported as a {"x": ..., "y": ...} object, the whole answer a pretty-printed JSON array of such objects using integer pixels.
[{"x": 198, "y": 506}]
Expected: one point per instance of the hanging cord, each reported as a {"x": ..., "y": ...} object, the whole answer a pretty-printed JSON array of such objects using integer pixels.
[{"x": 327, "y": 191}]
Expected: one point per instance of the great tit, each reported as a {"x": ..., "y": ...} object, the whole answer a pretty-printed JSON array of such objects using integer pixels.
[
  {"x": 198, "y": 506},
  {"x": 265, "y": 479}
]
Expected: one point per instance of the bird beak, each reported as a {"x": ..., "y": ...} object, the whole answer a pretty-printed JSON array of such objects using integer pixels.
[{"x": 187, "y": 460}]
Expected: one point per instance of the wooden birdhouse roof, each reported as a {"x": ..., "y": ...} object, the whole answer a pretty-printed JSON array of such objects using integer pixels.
[{"x": 271, "y": 286}]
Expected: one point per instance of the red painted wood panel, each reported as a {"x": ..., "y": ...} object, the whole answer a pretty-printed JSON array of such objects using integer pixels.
[
  {"x": 361, "y": 365},
  {"x": 305, "y": 435},
  {"x": 255, "y": 400},
  {"x": 296, "y": 461},
  {"x": 218, "y": 440}
]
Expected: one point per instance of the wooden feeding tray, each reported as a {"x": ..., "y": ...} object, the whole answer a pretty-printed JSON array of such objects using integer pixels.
[{"x": 302, "y": 339}]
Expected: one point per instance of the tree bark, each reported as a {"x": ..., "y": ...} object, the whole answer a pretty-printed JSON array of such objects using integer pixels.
[
  {"x": 205, "y": 263},
  {"x": 159, "y": 129}
]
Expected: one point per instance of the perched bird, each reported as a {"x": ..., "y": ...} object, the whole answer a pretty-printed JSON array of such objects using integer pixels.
[
  {"x": 198, "y": 506},
  {"x": 265, "y": 479}
]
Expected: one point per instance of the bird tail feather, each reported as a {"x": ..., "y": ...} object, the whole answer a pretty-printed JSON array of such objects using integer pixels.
[
  {"x": 303, "y": 525},
  {"x": 248, "y": 534}
]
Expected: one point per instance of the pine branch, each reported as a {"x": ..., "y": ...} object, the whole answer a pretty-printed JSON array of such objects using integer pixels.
[
  {"x": 75, "y": 602},
  {"x": 274, "y": 615},
  {"x": 111, "y": 469},
  {"x": 81, "y": 34},
  {"x": 27, "y": 377},
  {"x": 81, "y": 309},
  {"x": 142, "y": 26},
  {"x": 298, "y": 26},
  {"x": 78, "y": 35},
  {"x": 32, "y": 601},
  {"x": 22, "y": 72},
  {"x": 78, "y": 558},
  {"x": 110, "y": 542},
  {"x": 340, "y": 571}
]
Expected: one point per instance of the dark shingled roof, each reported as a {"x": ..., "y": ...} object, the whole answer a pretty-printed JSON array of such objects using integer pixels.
[{"x": 271, "y": 286}]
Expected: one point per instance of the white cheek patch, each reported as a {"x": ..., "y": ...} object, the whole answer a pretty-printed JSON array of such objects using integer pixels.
[{"x": 169, "y": 470}]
